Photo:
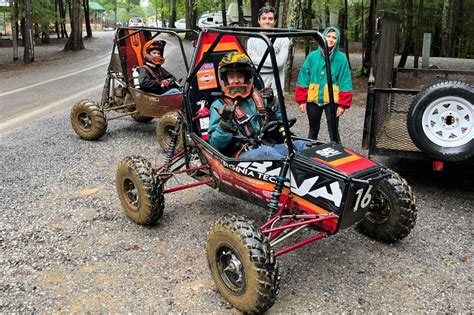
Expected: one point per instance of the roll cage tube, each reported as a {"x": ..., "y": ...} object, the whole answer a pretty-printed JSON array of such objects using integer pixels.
[
  {"x": 269, "y": 36},
  {"x": 321, "y": 40},
  {"x": 158, "y": 31}
]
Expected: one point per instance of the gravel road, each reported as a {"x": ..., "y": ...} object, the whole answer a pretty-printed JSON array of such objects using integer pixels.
[{"x": 67, "y": 246}]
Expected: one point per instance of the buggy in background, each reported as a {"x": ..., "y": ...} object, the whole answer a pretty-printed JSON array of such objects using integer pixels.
[{"x": 120, "y": 97}]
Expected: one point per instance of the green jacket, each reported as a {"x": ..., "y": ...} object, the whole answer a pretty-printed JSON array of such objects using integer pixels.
[{"x": 311, "y": 85}]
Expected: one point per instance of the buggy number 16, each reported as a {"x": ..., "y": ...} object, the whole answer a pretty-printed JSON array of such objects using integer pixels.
[{"x": 364, "y": 197}]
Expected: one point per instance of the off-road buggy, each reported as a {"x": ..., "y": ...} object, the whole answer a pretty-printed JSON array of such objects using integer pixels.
[
  {"x": 321, "y": 190},
  {"x": 120, "y": 97}
]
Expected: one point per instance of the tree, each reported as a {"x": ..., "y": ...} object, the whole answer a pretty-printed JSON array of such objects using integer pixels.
[
  {"x": 85, "y": 4},
  {"x": 408, "y": 17},
  {"x": 368, "y": 37},
  {"x": 294, "y": 9},
  {"x": 75, "y": 41},
  {"x": 29, "y": 52},
  {"x": 14, "y": 23},
  {"x": 254, "y": 7}
]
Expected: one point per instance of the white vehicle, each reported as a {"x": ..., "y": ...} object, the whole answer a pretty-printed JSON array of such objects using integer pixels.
[
  {"x": 210, "y": 20},
  {"x": 136, "y": 21},
  {"x": 181, "y": 24}
]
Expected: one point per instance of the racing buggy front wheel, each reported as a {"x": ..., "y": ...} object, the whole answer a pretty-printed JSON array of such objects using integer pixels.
[
  {"x": 88, "y": 120},
  {"x": 242, "y": 265},
  {"x": 441, "y": 120},
  {"x": 141, "y": 197},
  {"x": 166, "y": 124},
  {"x": 392, "y": 213}
]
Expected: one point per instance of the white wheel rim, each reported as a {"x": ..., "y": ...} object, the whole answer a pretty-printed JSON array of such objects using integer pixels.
[{"x": 449, "y": 121}]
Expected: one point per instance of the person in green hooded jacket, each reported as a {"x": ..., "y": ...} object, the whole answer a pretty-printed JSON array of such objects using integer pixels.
[{"x": 311, "y": 92}]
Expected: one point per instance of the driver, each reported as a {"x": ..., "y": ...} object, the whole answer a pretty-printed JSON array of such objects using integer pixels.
[
  {"x": 237, "y": 119},
  {"x": 152, "y": 77}
]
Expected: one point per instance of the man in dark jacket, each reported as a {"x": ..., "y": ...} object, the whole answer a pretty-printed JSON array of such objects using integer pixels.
[{"x": 152, "y": 77}]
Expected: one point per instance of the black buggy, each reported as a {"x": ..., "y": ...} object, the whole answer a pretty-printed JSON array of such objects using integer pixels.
[
  {"x": 120, "y": 97},
  {"x": 320, "y": 190}
]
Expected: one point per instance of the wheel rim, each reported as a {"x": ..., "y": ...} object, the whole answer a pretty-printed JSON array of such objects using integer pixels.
[
  {"x": 231, "y": 269},
  {"x": 85, "y": 120},
  {"x": 448, "y": 121},
  {"x": 380, "y": 210},
  {"x": 130, "y": 192}
]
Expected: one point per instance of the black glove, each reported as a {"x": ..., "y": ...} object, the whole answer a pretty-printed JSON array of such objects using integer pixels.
[
  {"x": 227, "y": 116},
  {"x": 267, "y": 93}
]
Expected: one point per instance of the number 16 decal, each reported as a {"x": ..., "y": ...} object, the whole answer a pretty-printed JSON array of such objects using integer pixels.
[{"x": 363, "y": 198}]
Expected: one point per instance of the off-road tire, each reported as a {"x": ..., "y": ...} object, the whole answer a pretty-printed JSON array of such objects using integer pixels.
[
  {"x": 88, "y": 120},
  {"x": 441, "y": 120},
  {"x": 165, "y": 125},
  {"x": 236, "y": 241},
  {"x": 392, "y": 212},
  {"x": 141, "y": 119},
  {"x": 141, "y": 197}
]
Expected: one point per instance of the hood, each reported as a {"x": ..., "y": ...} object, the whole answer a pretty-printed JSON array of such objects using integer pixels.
[{"x": 338, "y": 41}]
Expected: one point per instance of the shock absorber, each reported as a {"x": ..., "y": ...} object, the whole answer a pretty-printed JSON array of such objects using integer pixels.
[
  {"x": 276, "y": 194},
  {"x": 173, "y": 143}
]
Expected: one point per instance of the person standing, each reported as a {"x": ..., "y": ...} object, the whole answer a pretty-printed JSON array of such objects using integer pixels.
[
  {"x": 256, "y": 48},
  {"x": 311, "y": 92}
]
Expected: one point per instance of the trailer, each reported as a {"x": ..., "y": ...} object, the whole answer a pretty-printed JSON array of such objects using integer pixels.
[{"x": 425, "y": 114}]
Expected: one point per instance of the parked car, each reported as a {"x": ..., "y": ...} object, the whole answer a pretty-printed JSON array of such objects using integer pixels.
[
  {"x": 136, "y": 21},
  {"x": 181, "y": 24}
]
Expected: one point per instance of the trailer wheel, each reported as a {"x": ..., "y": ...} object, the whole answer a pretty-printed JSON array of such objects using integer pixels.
[
  {"x": 392, "y": 213},
  {"x": 140, "y": 196},
  {"x": 242, "y": 265},
  {"x": 166, "y": 124},
  {"x": 88, "y": 120},
  {"x": 441, "y": 120}
]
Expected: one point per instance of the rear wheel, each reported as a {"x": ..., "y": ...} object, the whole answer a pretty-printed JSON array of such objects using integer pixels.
[
  {"x": 88, "y": 120},
  {"x": 242, "y": 265},
  {"x": 141, "y": 197},
  {"x": 392, "y": 213},
  {"x": 166, "y": 124}
]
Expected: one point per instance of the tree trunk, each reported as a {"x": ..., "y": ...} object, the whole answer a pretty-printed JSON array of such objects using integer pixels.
[
  {"x": 284, "y": 14},
  {"x": 62, "y": 16},
  {"x": 368, "y": 37},
  {"x": 14, "y": 21},
  {"x": 345, "y": 30},
  {"x": 29, "y": 52},
  {"x": 307, "y": 15},
  {"x": 294, "y": 9},
  {"x": 254, "y": 7},
  {"x": 418, "y": 34},
  {"x": 75, "y": 41},
  {"x": 241, "y": 13},
  {"x": 173, "y": 13},
  {"x": 224, "y": 13},
  {"x": 85, "y": 4},
  {"x": 408, "y": 7},
  {"x": 447, "y": 28}
]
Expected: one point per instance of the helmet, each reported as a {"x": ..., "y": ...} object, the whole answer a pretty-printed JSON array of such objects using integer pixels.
[
  {"x": 155, "y": 45},
  {"x": 238, "y": 62}
]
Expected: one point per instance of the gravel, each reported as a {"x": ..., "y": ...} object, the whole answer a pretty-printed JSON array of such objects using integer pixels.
[{"x": 67, "y": 246}]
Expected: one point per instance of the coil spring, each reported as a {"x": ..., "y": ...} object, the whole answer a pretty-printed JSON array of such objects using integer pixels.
[
  {"x": 172, "y": 148},
  {"x": 273, "y": 204}
]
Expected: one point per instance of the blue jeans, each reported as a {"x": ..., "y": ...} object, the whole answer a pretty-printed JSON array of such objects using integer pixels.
[
  {"x": 275, "y": 151},
  {"x": 172, "y": 91}
]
